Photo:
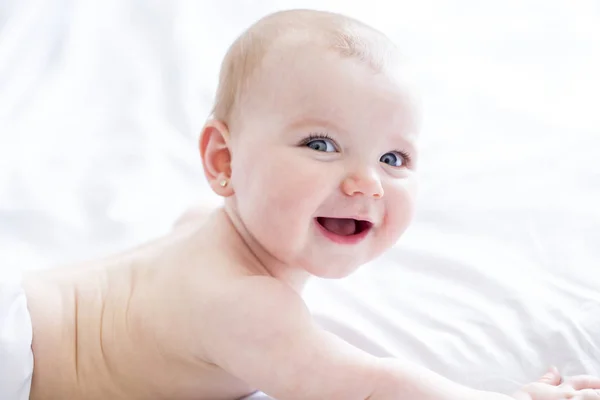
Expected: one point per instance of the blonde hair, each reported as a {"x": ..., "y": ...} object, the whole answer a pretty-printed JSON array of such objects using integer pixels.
[{"x": 326, "y": 30}]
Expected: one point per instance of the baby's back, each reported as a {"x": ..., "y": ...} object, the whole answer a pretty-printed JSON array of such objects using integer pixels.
[{"x": 106, "y": 330}]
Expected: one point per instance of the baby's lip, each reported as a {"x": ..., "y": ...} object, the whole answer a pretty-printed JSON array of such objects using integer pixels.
[
  {"x": 344, "y": 230},
  {"x": 363, "y": 218},
  {"x": 357, "y": 217},
  {"x": 362, "y": 223}
]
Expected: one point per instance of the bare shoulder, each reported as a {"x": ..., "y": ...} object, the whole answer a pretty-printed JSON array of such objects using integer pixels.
[
  {"x": 257, "y": 307},
  {"x": 265, "y": 335},
  {"x": 260, "y": 290}
]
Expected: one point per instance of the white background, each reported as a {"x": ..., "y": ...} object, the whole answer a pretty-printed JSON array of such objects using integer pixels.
[{"x": 101, "y": 103}]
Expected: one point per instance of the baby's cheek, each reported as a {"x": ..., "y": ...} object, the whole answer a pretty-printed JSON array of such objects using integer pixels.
[
  {"x": 400, "y": 207},
  {"x": 298, "y": 181},
  {"x": 275, "y": 193}
]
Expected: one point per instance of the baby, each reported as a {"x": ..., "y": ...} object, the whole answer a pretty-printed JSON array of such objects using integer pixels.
[{"x": 313, "y": 146}]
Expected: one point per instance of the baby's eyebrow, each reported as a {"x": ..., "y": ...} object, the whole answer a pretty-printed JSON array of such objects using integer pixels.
[
  {"x": 408, "y": 141},
  {"x": 313, "y": 121}
]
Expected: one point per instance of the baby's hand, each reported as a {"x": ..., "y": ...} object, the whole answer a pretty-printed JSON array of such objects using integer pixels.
[{"x": 552, "y": 387}]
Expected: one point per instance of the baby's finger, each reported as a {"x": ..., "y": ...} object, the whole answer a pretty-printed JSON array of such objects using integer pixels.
[
  {"x": 581, "y": 382},
  {"x": 552, "y": 377},
  {"x": 586, "y": 394}
]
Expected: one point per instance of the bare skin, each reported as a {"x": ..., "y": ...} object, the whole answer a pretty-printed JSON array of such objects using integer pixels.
[
  {"x": 119, "y": 329},
  {"x": 159, "y": 323},
  {"x": 324, "y": 144}
]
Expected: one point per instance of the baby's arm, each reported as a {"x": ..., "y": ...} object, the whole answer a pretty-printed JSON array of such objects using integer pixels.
[{"x": 262, "y": 333}]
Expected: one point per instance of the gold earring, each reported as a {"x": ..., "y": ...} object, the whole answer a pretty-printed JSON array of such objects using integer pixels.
[{"x": 223, "y": 183}]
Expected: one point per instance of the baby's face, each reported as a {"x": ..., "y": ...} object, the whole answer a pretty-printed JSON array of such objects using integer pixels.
[{"x": 323, "y": 162}]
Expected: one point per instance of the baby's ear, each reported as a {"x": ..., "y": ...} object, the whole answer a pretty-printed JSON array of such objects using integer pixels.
[{"x": 216, "y": 156}]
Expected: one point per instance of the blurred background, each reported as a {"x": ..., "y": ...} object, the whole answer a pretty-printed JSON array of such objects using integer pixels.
[{"x": 102, "y": 102}]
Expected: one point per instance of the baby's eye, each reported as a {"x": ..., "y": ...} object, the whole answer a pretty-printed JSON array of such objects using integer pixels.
[
  {"x": 322, "y": 144},
  {"x": 394, "y": 158}
]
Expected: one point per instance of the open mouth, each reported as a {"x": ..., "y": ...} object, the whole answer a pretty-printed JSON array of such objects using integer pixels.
[{"x": 346, "y": 227}]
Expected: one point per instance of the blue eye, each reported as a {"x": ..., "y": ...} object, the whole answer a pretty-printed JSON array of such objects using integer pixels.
[
  {"x": 394, "y": 158},
  {"x": 321, "y": 144}
]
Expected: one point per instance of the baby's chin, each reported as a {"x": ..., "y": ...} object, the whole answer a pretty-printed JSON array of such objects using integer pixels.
[
  {"x": 342, "y": 267},
  {"x": 335, "y": 270}
]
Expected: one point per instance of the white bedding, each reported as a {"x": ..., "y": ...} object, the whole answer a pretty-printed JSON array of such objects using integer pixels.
[{"x": 101, "y": 103}]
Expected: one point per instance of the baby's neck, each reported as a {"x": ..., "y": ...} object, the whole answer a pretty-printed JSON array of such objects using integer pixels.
[{"x": 256, "y": 258}]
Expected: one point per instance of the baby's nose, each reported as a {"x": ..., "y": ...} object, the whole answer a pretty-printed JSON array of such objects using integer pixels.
[{"x": 366, "y": 184}]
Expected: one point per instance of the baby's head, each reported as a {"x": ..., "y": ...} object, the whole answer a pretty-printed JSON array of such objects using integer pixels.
[{"x": 313, "y": 141}]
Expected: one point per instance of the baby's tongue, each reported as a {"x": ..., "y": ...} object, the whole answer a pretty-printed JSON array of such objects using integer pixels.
[{"x": 339, "y": 226}]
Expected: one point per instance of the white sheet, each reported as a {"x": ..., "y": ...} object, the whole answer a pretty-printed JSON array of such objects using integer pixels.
[
  {"x": 16, "y": 366},
  {"x": 101, "y": 103}
]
